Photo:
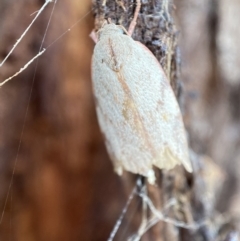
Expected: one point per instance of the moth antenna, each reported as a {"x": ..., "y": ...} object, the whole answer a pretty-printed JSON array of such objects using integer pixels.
[
  {"x": 134, "y": 20},
  {"x": 104, "y": 23}
]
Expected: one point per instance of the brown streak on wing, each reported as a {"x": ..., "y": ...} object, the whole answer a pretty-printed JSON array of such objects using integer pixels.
[
  {"x": 136, "y": 116},
  {"x": 130, "y": 101},
  {"x": 112, "y": 53}
]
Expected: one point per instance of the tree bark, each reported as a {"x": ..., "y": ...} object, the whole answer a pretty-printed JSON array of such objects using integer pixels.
[{"x": 64, "y": 187}]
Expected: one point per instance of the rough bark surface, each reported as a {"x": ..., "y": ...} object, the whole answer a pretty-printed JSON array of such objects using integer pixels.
[{"x": 63, "y": 185}]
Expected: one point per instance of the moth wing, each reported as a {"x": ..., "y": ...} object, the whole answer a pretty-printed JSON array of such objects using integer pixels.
[
  {"x": 159, "y": 110},
  {"x": 136, "y": 107},
  {"x": 168, "y": 124}
]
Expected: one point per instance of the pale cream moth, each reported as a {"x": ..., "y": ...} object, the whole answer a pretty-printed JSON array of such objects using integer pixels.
[{"x": 137, "y": 110}]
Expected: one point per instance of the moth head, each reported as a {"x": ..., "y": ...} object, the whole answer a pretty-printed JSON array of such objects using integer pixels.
[{"x": 109, "y": 29}]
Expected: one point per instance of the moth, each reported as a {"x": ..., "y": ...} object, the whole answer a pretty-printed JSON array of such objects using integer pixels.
[{"x": 136, "y": 108}]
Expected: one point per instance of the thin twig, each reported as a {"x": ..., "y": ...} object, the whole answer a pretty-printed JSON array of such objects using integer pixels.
[
  {"x": 119, "y": 221},
  {"x": 24, "y": 33},
  {"x": 22, "y": 69},
  {"x": 176, "y": 223}
]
